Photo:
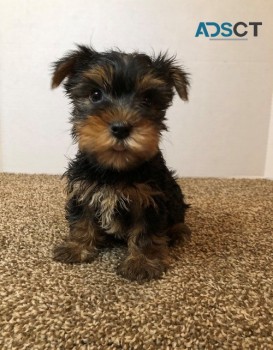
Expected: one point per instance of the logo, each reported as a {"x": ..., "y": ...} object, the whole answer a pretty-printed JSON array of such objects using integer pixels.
[{"x": 227, "y": 30}]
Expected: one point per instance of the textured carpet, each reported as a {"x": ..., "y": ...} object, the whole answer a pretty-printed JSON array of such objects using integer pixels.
[{"x": 218, "y": 293}]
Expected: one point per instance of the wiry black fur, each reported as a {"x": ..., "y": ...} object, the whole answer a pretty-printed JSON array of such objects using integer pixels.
[
  {"x": 171, "y": 208},
  {"x": 121, "y": 91},
  {"x": 127, "y": 68}
]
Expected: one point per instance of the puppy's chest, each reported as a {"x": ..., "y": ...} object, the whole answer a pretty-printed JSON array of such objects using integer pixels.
[
  {"x": 110, "y": 206},
  {"x": 116, "y": 208}
]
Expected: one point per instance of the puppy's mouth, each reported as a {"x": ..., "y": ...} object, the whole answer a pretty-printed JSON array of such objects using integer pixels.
[
  {"x": 120, "y": 147},
  {"x": 117, "y": 147}
]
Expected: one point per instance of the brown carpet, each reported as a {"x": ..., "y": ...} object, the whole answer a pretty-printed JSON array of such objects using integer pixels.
[{"x": 218, "y": 293}]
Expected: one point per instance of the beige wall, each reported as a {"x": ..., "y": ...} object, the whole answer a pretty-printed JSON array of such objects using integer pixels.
[
  {"x": 222, "y": 131},
  {"x": 269, "y": 155}
]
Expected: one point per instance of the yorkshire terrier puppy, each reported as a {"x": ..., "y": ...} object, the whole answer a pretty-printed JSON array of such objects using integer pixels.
[{"x": 119, "y": 186}]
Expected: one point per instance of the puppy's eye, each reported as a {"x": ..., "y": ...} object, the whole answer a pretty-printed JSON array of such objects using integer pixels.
[
  {"x": 96, "y": 96},
  {"x": 148, "y": 98},
  {"x": 147, "y": 101}
]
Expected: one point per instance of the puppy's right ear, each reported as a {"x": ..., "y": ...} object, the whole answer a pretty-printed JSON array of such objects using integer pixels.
[
  {"x": 66, "y": 66},
  {"x": 63, "y": 68}
]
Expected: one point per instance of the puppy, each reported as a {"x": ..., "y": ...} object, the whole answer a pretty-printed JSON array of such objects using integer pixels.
[{"x": 118, "y": 185}]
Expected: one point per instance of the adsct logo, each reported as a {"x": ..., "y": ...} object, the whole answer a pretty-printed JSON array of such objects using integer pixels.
[{"x": 227, "y": 30}]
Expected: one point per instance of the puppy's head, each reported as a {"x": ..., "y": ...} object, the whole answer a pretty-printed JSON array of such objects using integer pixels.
[{"x": 120, "y": 101}]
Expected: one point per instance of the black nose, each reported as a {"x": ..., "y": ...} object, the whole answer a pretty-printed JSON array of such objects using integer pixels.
[{"x": 120, "y": 130}]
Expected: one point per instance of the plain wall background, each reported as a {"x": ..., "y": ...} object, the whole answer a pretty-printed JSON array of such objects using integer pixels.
[{"x": 223, "y": 131}]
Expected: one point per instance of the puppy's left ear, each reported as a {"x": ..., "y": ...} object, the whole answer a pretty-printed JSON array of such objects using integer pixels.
[
  {"x": 67, "y": 65},
  {"x": 63, "y": 68},
  {"x": 180, "y": 81},
  {"x": 174, "y": 74}
]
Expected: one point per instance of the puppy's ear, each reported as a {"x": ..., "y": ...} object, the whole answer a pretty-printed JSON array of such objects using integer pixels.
[
  {"x": 67, "y": 65},
  {"x": 174, "y": 74},
  {"x": 180, "y": 81}
]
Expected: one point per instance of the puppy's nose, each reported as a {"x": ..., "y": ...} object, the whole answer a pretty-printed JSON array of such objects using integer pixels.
[{"x": 120, "y": 130}]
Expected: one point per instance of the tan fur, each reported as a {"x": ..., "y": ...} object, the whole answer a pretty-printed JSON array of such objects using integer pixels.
[
  {"x": 80, "y": 244},
  {"x": 102, "y": 75},
  {"x": 144, "y": 140},
  {"x": 140, "y": 194},
  {"x": 62, "y": 71},
  {"x": 115, "y": 229},
  {"x": 149, "y": 81},
  {"x": 147, "y": 257},
  {"x": 105, "y": 201},
  {"x": 73, "y": 252},
  {"x": 179, "y": 83},
  {"x": 81, "y": 190},
  {"x": 94, "y": 136},
  {"x": 83, "y": 231}
]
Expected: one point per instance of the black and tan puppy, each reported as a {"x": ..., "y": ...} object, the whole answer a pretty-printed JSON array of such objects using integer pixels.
[{"x": 118, "y": 183}]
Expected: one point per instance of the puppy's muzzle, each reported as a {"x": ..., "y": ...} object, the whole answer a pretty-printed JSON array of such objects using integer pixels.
[{"x": 120, "y": 130}]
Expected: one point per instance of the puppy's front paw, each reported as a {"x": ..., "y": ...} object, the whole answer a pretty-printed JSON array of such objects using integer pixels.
[
  {"x": 141, "y": 269},
  {"x": 73, "y": 252}
]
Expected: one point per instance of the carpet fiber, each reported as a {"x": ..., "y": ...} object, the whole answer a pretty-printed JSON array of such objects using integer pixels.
[{"x": 218, "y": 293}]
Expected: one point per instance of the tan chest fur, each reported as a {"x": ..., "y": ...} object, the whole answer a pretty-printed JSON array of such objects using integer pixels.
[{"x": 105, "y": 200}]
